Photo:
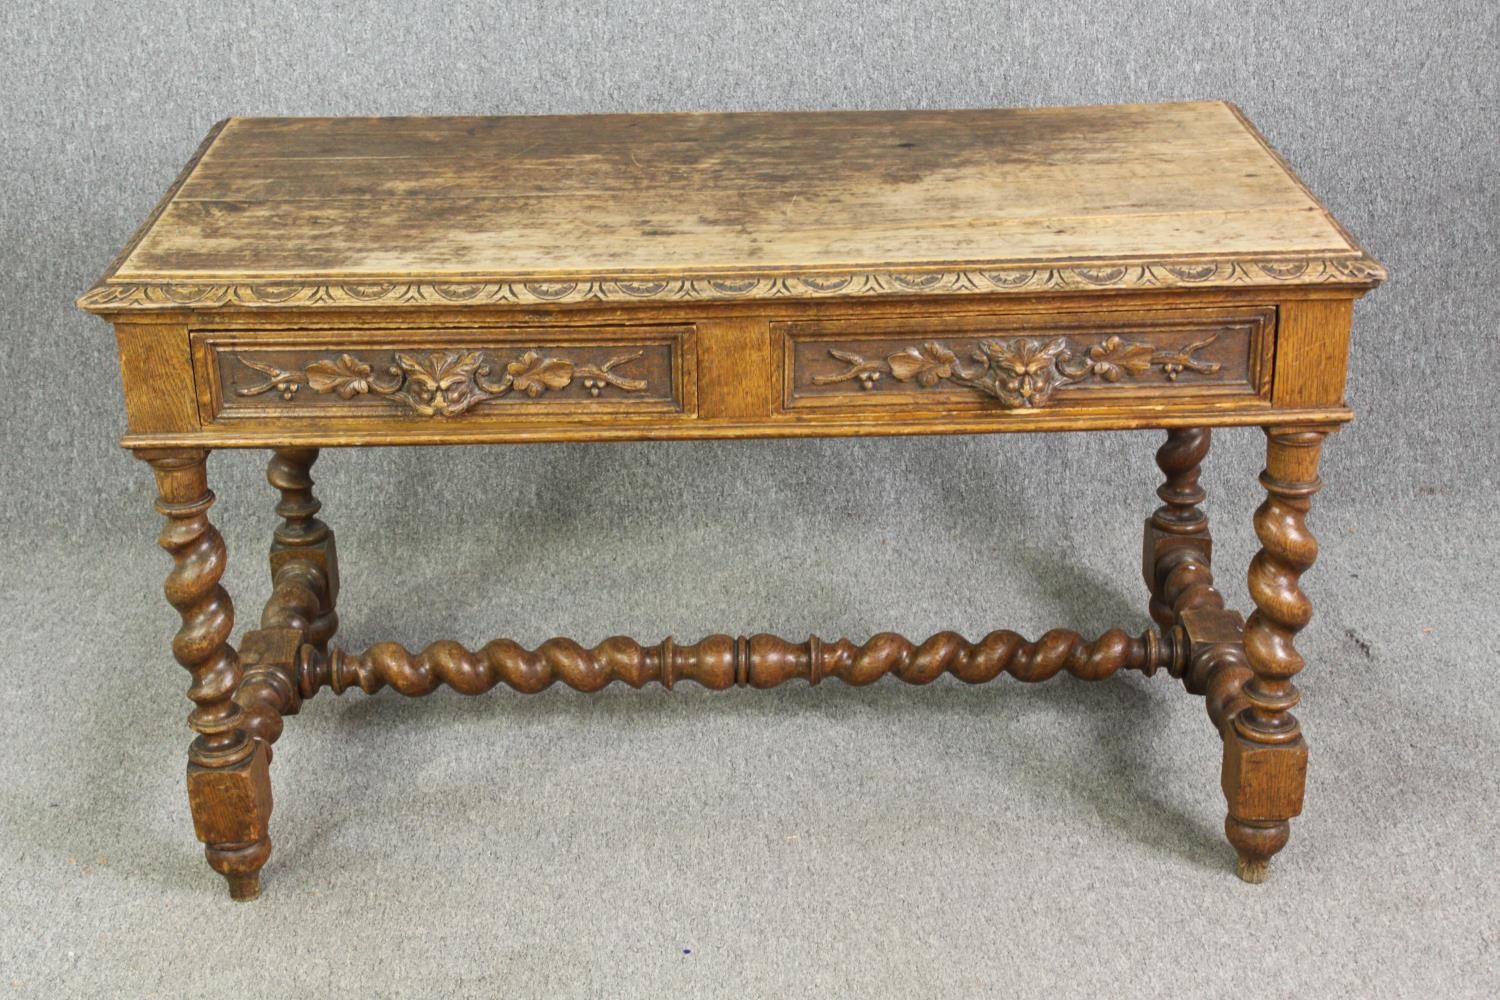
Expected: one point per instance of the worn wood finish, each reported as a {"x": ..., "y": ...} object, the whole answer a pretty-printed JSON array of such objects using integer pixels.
[
  {"x": 318, "y": 283},
  {"x": 724, "y": 206}
]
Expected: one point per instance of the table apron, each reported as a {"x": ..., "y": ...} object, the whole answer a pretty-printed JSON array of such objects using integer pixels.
[{"x": 252, "y": 381}]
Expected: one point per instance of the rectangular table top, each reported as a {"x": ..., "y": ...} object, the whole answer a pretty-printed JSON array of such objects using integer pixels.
[{"x": 421, "y": 211}]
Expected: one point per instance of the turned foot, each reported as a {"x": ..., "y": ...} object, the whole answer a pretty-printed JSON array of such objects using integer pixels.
[
  {"x": 232, "y": 814},
  {"x": 243, "y": 888},
  {"x": 240, "y": 866},
  {"x": 1256, "y": 844}
]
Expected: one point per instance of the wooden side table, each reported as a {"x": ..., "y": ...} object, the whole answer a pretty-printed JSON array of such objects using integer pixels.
[{"x": 310, "y": 283}]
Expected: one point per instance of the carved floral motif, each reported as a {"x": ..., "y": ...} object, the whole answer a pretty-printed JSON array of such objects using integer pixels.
[
  {"x": 442, "y": 383},
  {"x": 1022, "y": 371}
]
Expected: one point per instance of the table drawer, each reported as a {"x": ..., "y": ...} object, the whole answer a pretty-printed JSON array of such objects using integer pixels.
[
  {"x": 439, "y": 375},
  {"x": 1018, "y": 362}
]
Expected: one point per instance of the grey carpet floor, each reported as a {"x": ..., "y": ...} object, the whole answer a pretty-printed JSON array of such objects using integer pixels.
[{"x": 1053, "y": 840}]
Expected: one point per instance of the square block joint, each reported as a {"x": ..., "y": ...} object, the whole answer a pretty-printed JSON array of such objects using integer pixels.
[
  {"x": 231, "y": 805},
  {"x": 1263, "y": 782}
]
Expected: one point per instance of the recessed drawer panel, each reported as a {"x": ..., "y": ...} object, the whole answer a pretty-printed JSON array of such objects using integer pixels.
[
  {"x": 1027, "y": 362},
  {"x": 470, "y": 375}
]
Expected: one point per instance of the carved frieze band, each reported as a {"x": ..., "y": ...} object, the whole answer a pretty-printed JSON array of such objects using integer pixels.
[
  {"x": 1307, "y": 271},
  {"x": 442, "y": 383},
  {"x": 1022, "y": 371}
]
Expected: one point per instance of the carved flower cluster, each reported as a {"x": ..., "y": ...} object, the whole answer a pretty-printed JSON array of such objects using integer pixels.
[{"x": 443, "y": 383}]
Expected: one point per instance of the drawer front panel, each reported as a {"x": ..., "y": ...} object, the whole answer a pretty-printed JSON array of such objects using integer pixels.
[
  {"x": 1027, "y": 362},
  {"x": 471, "y": 375}
]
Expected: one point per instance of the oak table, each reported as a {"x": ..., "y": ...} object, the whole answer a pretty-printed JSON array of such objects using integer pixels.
[{"x": 310, "y": 283}]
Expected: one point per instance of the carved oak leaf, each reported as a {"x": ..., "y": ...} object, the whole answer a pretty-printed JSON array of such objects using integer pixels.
[
  {"x": 347, "y": 376},
  {"x": 1115, "y": 358},
  {"x": 534, "y": 374},
  {"x": 929, "y": 364},
  {"x": 440, "y": 371},
  {"x": 1023, "y": 356},
  {"x": 443, "y": 384}
]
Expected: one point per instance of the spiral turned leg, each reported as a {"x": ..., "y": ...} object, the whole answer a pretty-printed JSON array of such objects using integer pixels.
[
  {"x": 1265, "y": 756},
  {"x": 228, "y": 782},
  {"x": 304, "y": 563},
  {"x": 1178, "y": 551},
  {"x": 1177, "y": 564},
  {"x": 304, "y": 596}
]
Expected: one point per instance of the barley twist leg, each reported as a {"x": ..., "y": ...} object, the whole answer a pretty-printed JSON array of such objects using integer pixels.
[
  {"x": 1178, "y": 557},
  {"x": 228, "y": 783},
  {"x": 1177, "y": 564},
  {"x": 304, "y": 564},
  {"x": 1265, "y": 756}
]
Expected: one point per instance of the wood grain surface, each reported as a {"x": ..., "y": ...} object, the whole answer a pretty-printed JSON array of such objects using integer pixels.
[{"x": 722, "y": 205}]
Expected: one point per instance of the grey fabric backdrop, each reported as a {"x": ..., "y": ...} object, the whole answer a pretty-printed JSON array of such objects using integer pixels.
[{"x": 884, "y": 842}]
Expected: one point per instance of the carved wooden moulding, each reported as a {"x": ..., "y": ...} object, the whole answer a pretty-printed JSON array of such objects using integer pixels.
[
  {"x": 440, "y": 376},
  {"x": 1000, "y": 362},
  {"x": 1342, "y": 269}
]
